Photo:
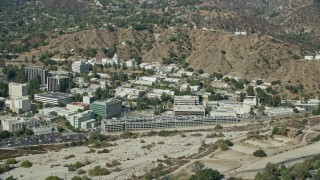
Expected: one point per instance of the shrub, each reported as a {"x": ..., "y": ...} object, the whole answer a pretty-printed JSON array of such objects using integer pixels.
[
  {"x": 228, "y": 142},
  {"x": 53, "y": 178},
  {"x": 26, "y": 164},
  {"x": 81, "y": 171},
  {"x": 259, "y": 153},
  {"x": 4, "y": 168},
  {"x": 10, "y": 178},
  {"x": 98, "y": 171},
  {"x": 218, "y": 127},
  {"x": 69, "y": 157},
  {"x": 197, "y": 166},
  {"x": 196, "y": 134},
  {"x": 91, "y": 151},
  {"x": 78, "y": 165},
  {"x": 11, "y": 161},
  {"x": 115, "y": 163}
]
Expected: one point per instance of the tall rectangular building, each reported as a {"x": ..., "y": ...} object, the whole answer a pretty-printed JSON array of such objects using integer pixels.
[
  {"x": 17, "y": 90},
  {"x": 32, "y": 72},
  {"x": 58, "y": 83},
  {"x": 107, "y": 109},
  {"x": 80, "y": 67}
]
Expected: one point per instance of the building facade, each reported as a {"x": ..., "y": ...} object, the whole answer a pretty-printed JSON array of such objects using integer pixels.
[
  {"x": 80, "y": 67},
  {"x": 186, "y": 110},
  {"x": 58, "y": 83},
  {"x": 12, "y": 125},
  {"x": 19, "y": 105},
  {"x": 33, "y": 72},
  {"x": 78, "y": 118},
  {"x": 186, "y": 100},
  {"x": 107, "y": 109},
  {"x": 55, "y": 98},
  {"x": 17, "y": 90}
]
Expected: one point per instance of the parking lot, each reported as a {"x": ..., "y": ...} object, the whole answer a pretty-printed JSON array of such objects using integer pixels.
[{"x": 41, "y": 139}]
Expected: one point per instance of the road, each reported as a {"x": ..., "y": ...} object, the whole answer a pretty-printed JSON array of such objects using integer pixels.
[{"x": 286, "y": 162}]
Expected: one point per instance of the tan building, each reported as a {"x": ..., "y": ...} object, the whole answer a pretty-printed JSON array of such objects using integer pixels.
[
  {"x": 19, "y": 105},
  {"x": 17, "y": 90}
]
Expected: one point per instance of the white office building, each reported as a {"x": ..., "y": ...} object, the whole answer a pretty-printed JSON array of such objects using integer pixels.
[
  {"x": 12, "y": 125},
  {"x": 80, "y": 67},
  {"x": 55, "y": 98},
  {"x": 19, "y": 105},
  {"x": 17, "y": 90},
  {"x": 84, "y": 120}
]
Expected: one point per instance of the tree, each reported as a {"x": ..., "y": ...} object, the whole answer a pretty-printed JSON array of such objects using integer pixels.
[
  {"x": 197, "y": 166},
  {"x": 200, "y": 71},
  {"x": 250, "y": 91},
  {"x": 259, "y": 153},
  {"x": 242, "y": 97},
  {"x": 137, "y": 57},
  {"x": 207, "y": 174}
]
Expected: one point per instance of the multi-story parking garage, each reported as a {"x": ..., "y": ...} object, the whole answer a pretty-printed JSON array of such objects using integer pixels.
[{"x": 161, "y": 122}]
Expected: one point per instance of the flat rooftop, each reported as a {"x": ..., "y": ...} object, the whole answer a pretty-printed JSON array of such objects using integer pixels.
[
  {"x": 80, "y": 104},
  {"x": 56, "y": 95},
  {"x": 188, "y": 108}
]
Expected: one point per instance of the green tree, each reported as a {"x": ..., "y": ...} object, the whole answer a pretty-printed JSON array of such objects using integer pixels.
[
  {"x": 137, "y": 57},
  {"x": 250, "y": 91},
  {"x": 259, "y": 153},
  {"x": 242, "y": 97},
  {"x": 207, "y": 174},
  {"x": 197, "y": 166}
]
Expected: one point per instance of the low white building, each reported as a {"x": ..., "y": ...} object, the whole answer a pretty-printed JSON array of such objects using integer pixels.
[
  {"x": 143, "y": 83},
  {"x": 184, "y": 87},
  {"x": 309, "y": 58},
  {"x": 172, "y": 80},
  {"x": 129, "y": 93},
  {"x": 44, "y": 130},
  {"x": 250, "y": 100},
  {"x": 278, "y": 111},
  {"x": 223, "y": 113},
  {"x": 12, "y": 125},
  {"x": 149, "y": 79},
  {"x": 131, "y": 63}
]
